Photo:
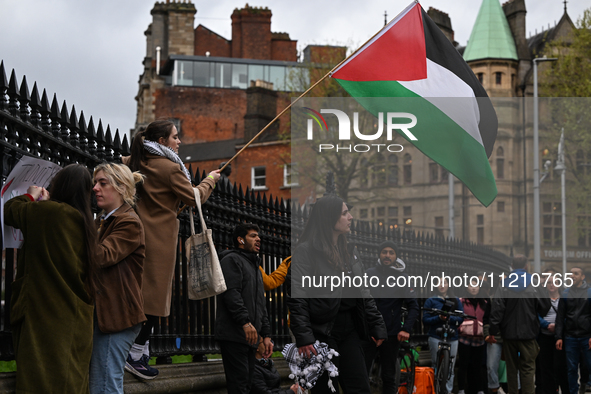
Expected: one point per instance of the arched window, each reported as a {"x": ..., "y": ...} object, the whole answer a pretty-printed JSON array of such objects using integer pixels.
[
  {"x": 393, "y": 170},
  {"x": 498, "y": 78},
  {"x": 363, "y": 172},
  {"x": 500, "y": 163},
  {"x": 433, "y": 172},
  {"x": 378, "y": 175},
  {"x": 407, "y": 169}
]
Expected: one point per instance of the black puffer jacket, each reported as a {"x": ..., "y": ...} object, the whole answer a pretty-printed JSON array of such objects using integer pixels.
[
  {"x": 266, "y": 380},
  {"x": 573, "y": 317},
  {"x": 314, "y": 308},
  {"x": 515, "y": 312},
  {"x": 244, "y": 300}
]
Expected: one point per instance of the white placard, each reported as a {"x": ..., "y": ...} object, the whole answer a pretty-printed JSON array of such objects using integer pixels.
[{"x": 28, "y": 171}]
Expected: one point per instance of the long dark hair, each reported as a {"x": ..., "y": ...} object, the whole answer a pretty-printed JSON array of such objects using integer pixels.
[
  {"x": 319, "y": 230},
  {"x": 73, "y": 185},
  {"x": 161, "y": 128}
]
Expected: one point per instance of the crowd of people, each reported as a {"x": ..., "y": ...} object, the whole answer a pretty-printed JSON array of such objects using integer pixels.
[{"x": 110, "y": 281}]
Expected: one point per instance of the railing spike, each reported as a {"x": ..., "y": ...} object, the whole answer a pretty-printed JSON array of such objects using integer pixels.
[
  {"x": 125, "y": 146},
  {"x": 13, "y": 94},
  {"x": 24, "y": 100},
  {"x": 117, "y": 147},
  {"x": 3, "y": 87}
]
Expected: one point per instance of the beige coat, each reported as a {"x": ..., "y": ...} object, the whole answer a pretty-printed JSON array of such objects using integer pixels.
[{"x": 159, "y": 199}]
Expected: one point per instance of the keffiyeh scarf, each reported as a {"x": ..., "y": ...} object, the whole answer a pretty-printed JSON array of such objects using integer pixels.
[
  {"x": 306, "y": 371},
  {"x": 164, "y": 151}
]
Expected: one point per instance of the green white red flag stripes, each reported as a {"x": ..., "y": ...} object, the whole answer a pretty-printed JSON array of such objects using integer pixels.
[{"x": 456, "y": 122}]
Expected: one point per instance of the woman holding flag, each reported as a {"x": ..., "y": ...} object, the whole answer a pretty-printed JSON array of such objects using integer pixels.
[{"x": 154, "y": 153}]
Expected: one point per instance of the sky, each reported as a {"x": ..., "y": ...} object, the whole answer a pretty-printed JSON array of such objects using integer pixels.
[{"x": 90, "y": 52}]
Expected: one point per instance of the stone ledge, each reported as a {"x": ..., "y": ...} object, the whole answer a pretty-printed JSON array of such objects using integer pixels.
[{"x": 202, "y": 377}]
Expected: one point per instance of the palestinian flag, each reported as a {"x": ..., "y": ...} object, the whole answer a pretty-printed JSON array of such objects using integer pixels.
[{"x": 456, "y": 122}]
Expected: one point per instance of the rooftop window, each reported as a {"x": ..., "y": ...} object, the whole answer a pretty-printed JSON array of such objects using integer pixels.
[{"x": 236, "y": 75}]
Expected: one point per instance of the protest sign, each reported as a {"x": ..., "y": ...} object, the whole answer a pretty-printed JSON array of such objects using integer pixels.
[{"x": 27, "y": 172}]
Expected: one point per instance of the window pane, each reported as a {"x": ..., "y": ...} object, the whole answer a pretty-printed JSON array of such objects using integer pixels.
[
  {"x": 438, "y": 221},
  {"x": 223, "y": 75},
  {"x": 547, "y": 207},
  {"x": 184, "y": 76},
  {"x": 434, "y": 172},
  {"x": 582, "y": 236},
  {"x": 479, "y": 219},
  {"x": 558, "y": 220},
  {"x": 363, "y": 213},
  {"x": 201, "y": 73},
  {"x": 407, "y": 211},
  {"x": 297, "y": 79},
  {"x": 407, "y": 174},
  {"x": 500, "y": 168},
  {"x": 239, "y": 79},
  {"x": 381, "y": 211},
  {"x": 547, "y": 220},
  {"x": 393, "y": 176},
  {"x": 393, "y": 212},
  {"x": 547, "y": 236},
  {"x": 277, "y": 77},
  {"x": 557, "y": 236},
  {"x": 255, "y": 72}
]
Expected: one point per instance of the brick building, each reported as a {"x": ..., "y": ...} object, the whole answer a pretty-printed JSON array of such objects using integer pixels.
[{"x": 221, "y": 92}]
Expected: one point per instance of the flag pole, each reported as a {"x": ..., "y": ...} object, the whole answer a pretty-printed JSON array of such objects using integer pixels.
[{"x": 306, "y": 92}]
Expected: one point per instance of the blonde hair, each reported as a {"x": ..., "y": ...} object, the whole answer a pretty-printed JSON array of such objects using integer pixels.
[{"x": 122, "y": 179}]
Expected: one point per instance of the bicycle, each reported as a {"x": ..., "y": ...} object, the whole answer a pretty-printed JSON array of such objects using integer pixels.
[
  {"x": 405, "y": 368},
  {"x": 444, "y": 361}
]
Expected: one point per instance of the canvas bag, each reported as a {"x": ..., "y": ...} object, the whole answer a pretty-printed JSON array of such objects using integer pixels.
[{"x": 206, "y": 278}]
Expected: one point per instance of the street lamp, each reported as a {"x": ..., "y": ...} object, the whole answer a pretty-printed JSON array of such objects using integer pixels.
[
  {"x": 562, "y": 168},
  {"x": 537, "y": 261}
]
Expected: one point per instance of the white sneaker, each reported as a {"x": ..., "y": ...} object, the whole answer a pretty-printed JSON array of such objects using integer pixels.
[
  {"x": 501, "y": 391},
  {"x": 461, "y": 392}
]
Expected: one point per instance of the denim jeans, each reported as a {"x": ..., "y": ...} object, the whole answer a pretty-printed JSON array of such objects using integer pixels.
[
  {"x": 493, "y": 356},
  {"x": 109, "y": 353},
  {"x": 433, "y": 347},
  {"x": 574, "y": 347}
]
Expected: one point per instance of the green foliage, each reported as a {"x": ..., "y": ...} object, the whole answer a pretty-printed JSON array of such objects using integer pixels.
[{"x": 570, "y": 78}]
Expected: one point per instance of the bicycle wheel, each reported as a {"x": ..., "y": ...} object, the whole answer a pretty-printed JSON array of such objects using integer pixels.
[
  {"x": 375, "y": 374},
  {"x": 405, "y": 371},
  {"x": 442, "y": 371}
]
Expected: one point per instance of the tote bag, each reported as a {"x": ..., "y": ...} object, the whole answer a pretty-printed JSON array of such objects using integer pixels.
[{"x": 206, "y": 278}]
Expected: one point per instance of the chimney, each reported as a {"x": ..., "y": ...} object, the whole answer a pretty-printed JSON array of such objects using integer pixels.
[
  {"x": 261, "y": 108},
  {"x": 251, "y": 33}
]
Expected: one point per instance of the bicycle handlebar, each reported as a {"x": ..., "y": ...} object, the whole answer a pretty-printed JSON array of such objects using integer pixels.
[{"x": 450, "y": 313}]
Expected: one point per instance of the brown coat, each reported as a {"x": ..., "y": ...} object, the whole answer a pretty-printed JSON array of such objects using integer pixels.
[
  {"x": 159, "y": 199},
  {"x": 121, "y": 252}
]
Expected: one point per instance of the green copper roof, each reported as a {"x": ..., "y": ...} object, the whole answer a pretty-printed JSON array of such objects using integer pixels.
[{"x": 491, "y": 36}]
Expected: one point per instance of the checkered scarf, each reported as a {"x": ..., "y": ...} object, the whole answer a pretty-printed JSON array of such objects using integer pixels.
[
  {"x": 164, "y": 151},
  {"x": 306, "y": 371}
]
